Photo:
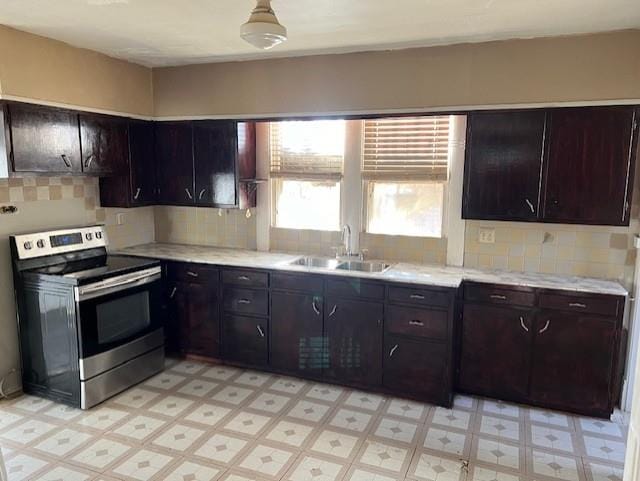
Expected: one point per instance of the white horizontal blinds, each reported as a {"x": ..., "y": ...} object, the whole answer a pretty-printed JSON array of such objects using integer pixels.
[
  {"x": 406, "y": 148},
  {"x": 307, "y": 149}
]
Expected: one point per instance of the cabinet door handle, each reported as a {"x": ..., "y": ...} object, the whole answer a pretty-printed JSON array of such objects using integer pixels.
[
  {"x": 393, "y": 350},
  {"x": 416, "y": 296},
  {"x": 244, "y": 278},
  {"x": 188, "y": 194},
  {"x": 498, "y": 297},
  {"x": 315, "y": 307},
  {"x": 416, "y": 323},
  {"x": 533, "y": 211},
  {"x": 138, "y": 190},
  {"x": 66, "y": 161},
  {"x": 578, "y": 304},
  {"x": 88, "y": 160},
  {"x": 201, "y": 194},
  {"x": 546, "y": 326},
  {"x": 523, "y": 325},
  {"x": 260, "y": 330},
  {"x": 173, "y": 292},
  {"x": 333, "y": 311},
  {"x": 192, "y": 274},
  {"x": 244, "y": 301}
]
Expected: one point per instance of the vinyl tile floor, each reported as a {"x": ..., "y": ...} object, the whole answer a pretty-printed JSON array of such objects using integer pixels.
[{"x": 201, "y": 422}]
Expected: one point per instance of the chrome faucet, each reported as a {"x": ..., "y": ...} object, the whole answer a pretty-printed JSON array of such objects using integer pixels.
[{"x": 346, "y": 239}]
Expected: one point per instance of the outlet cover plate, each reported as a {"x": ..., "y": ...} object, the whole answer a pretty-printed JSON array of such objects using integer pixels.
[{"x": 486, "y": 235}]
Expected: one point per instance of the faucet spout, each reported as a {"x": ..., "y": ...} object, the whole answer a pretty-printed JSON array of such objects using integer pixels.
[{"x": 346, "y": 239}]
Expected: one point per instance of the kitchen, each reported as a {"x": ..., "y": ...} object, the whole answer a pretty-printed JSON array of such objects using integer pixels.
[{"x": 438, "y": 316}]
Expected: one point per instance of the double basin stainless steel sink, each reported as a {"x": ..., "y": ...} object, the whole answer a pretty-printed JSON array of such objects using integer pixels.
[{"x": 351, "y": 265}]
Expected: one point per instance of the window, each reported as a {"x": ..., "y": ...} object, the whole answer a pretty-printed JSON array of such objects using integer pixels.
[
  {"x": 405, "y": 169},
  {"x": 307, "y": 160}
]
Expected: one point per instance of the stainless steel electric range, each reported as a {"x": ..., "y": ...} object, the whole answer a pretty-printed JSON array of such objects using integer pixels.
[{"x": 90, "y": 323}]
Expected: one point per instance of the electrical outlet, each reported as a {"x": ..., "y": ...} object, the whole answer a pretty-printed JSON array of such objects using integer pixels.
[
  {"x": 486, "y": 236},
  {"x": 120, "y": 218}
]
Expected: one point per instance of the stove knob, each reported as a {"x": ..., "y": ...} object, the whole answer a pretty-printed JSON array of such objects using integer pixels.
[
  {"x": 40, "y": 243},
  {"x": 98, "y": 235},
  {"x": 89, "y": 236},
  {"x": 28, "y": 245}
]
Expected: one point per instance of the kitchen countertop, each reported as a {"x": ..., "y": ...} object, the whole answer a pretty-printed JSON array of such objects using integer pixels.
[{"x": 439, "y": 276}]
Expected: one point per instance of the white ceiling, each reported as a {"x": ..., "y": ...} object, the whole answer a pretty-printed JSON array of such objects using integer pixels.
[{"x": 175, "y": 32}]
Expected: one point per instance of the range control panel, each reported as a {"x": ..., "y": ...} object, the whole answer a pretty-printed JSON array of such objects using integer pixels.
[{"x": 40, "y": 244}]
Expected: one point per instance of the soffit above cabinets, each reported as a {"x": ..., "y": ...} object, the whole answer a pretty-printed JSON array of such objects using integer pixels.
[{"x": 168, "y": 32}]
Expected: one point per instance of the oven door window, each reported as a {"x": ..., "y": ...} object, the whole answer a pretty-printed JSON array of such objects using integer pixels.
[{"x": 116, "y": 319}]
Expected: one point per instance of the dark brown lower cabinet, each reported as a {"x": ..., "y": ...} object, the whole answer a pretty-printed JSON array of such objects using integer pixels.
[
  {"x": 496, "y": 351},
  {"x": 245, "y": 339},
  {"x": 573, "y": 361},
  {"x": 417, "y": 368},
  {"x": 353, "y": 336},
  {"x": 296, "y": 333}
]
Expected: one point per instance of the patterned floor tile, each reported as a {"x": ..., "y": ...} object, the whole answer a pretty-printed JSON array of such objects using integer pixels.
[
  {"x": 391, "y": 429},
  {"x": 23, "y": 467},
  {"x": 251, "y": 378},
  {"x": 386, "y": 456},
  {"x": 552, "y": 418},
  {"x": 542, "y": 463},
  {"x": 179, "y": 437},
  {"x": 207, "y": 414},
  {"x": 234, "y": 476},
  {"x": 316, "y": 469},
  {"x": 101, "y": 418},
  {"x": 140, "y": 428},
  {"x": 500, "y": 454},
  {"x": 65, "y": 473},
  {"x": 101, "y": 454},
  {"x": 605, "y": 449},
  {"x": 365, "y": 401},
  {"x": 135, "y": 398},
  {"x": 601, "y": 427},
  {"x": 233, "y": 395},
  {"x": 446, "y": 442},
  {"x": 62, "y": 412},
  {"x": 61, "y": 443},
  {"x": 597, "y": 471},
  {"x": 364, "y": 474},
  {"x": 287, "y": 385},
  {"x": 452, "y": 418},
  {"x": 198, "y": 388},
  {"x": 502, "y": 428},
  {"x": 267, "y": 461},
  {"x": 325, "y": 392},
  {"x": 407, "y": 409},
  {"x": 171, "y": 406},
  {"x": 309, "y": 411},
  {"x": 428, "y": 467},
  {"x": 468, "y": 403},
  {"x": 164, "y": 380},
  {"x": 250, "y": 424},
  {"x": 28, "y": 431},
  {"x": 192, "y": 471},
  {"x": 337, "y": 444},
  {"x": 500, "y": 408},
  {"x": 484, "y": 473},
  {"x": 290, "y": 433},
  {"x": 188, "y": 367},
  {"x": 7, "y": 418},
  {"x": 143, "y": 465},
  {"x": 221, "y": 448},
  {"x": 221, "y": 373},
  {"x": 31, "y": 404},
  {"x": 351, "y": 420},
  {"x": 550, "y": 438},
  {"x": 269, "y": 402}
]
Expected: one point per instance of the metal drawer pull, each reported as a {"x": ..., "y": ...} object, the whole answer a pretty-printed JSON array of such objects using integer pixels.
[
  {"x": 260, "y": 330},
  {"x": 138, "y": 190},
  {"x": 315, "y": 307},
  {"x": 188, "y": 193},
  {"x": 498, "y": 297},
  {"x": 333, "y": 311},
  {"x": 192, "y": 274},
  {"x": 416, "y": 296},
  {"x": 416, "y": 323},
  {"x": 201, "y": 194},
  {"x": 546, "y": 326},
  {"x": 244, "y": 278},
  {"x": 578, "y": 304},
  {"x": 244, "y": 301},
  {"x": 88, "y": 161},
  {"x": 522, "y": 324},
  {"x": 393, "y": 350},
  {"x": 173, "y": 292},
  {"x": 66, "y": 161},
  {"x": 533, "y": 211}
]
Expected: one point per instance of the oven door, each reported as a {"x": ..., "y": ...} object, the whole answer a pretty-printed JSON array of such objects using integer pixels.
[{"x": 119, "y": 318}]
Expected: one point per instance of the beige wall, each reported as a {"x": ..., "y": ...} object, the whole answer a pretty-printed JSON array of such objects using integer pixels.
[
  {"x": 597, "y": 67},
  {"x": 42, "y": 69},
  {"x": 49, "y": 203}
]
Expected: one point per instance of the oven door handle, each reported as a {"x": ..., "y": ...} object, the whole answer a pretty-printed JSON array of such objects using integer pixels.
[{"x": 117, "y": 284}]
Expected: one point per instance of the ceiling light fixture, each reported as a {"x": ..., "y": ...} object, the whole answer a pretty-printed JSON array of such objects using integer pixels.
[{"x": 263, "y": 29}]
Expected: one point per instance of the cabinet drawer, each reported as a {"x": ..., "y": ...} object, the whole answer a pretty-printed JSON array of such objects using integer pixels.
[
  {"x": 419, "y": 296},
  {"x": 245, "y": 339},
  {"x": 355, "y": 287},
  {"x": 607, "y": 306},
  {"x": 246, "y": 301},
  {"x": 498, "y": 295},
  {"x": 242, "y": 277},
  {"x": 413, "y": 321},
  {"x": 296, "y": 282},
  {"x": 192, "y": 272}
]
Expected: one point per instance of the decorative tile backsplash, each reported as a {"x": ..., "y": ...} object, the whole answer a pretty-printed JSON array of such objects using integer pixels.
[
  {"x": 421, "y": 250},
  {"x": 303, "y": 241}
]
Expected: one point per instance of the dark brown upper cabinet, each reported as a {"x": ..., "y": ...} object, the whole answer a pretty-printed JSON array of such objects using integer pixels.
[
  {"x": 174, "y": 161},
  {"x": 104, "y": 144},
  {"x": 42, "y": 139},
  {"x": 136, "y": 185},
  {"x": 503, "y": 165},
  {"x": 582, "y": 175},
  {"x": 589, "y": 165}
]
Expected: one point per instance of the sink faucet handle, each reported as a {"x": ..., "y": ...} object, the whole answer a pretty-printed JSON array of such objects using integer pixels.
[{"x": 364, "y": 254}]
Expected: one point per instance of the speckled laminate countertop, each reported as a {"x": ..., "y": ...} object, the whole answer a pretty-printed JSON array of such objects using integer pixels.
[{"x": 439, "y": 276}]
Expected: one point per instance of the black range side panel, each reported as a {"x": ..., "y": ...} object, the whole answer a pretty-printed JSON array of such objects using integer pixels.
[{"x": 48, "y": 340}]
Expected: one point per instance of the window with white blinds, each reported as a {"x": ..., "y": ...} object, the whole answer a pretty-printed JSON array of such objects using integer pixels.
[
  {"x": 307, "y": 149},
  {"x": 406, "y": 148}
]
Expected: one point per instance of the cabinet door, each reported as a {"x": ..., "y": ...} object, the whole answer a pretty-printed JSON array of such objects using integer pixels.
[
  {"x": 44, "y": 139},
  {"x": 245, "y": 339},
  {"x": 104, "y": 143},
  {"x": 296, "y": 333},
  {"x": 143, "y": 168},
  {"x": 495, "y": 354},
  {"x": 174, "y": 160},
  {"x": 215, "y": 156},
  {"x": 573, "y": 357},
  {"x": 503, "y": 165},
  {"x": 196, "y": 317},
  {"x": 417, "y": 368},
  {"x": 588, "y": 166},
  {"x": 353, "y": 336}
]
